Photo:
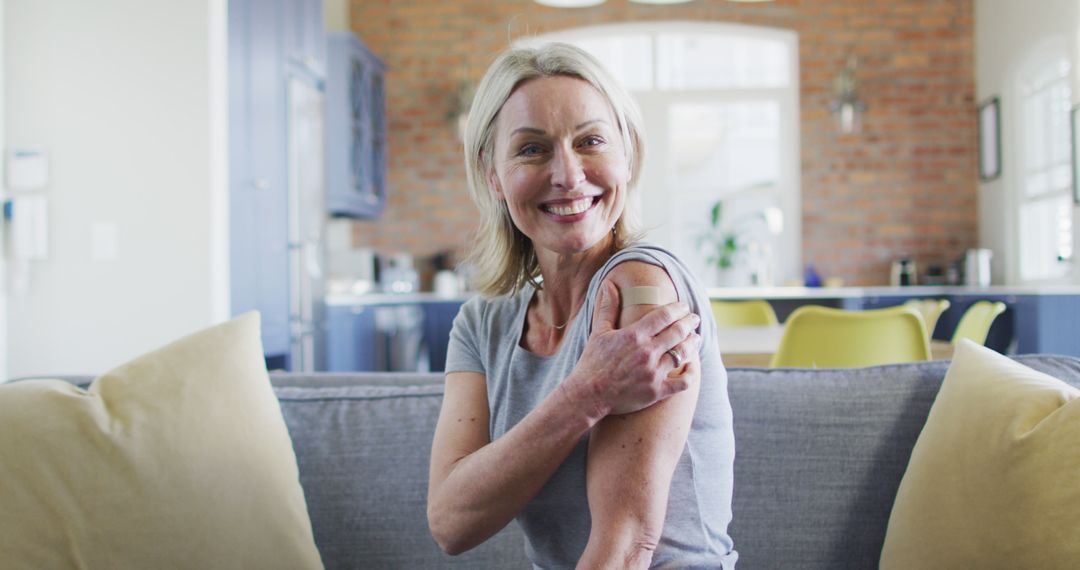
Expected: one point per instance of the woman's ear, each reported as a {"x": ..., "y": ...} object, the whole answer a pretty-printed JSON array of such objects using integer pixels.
[
  {"x": 493, "y": 184},
  {"x": 492, "y": 177}
]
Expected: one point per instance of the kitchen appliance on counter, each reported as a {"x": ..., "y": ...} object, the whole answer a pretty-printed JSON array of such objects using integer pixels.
[
  {"x": 903, "y": 273},
  {"x": 977, "y": 267},
  {"x": 353, "y": 271},
  {"x": 398, "y": 275}
]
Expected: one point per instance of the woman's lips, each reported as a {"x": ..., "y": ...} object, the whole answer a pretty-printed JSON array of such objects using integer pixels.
[{"x": 570, "y": 210}]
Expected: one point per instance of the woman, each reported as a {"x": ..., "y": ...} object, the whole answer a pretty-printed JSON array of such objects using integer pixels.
[{"x": 603, "y": 427}]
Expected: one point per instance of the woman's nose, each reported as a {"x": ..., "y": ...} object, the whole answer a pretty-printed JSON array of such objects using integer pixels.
[{"x": 567, "y": 171}]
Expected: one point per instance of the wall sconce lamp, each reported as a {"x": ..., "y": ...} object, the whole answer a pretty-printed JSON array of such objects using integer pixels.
[{"x": 846, "y": 105}]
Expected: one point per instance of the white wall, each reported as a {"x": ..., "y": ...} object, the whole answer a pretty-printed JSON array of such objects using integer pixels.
[
  {"x": 128, "y": 98},
  {"x": 1005, "y": 30},
  {"x": 3, "y": 274}
]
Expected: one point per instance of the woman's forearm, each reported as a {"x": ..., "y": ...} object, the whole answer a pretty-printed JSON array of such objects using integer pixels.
[{"x": 481, "y": 492}]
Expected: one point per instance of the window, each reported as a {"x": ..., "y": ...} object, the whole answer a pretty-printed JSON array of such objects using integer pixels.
[
  {"x": 720, "y": 105},
  {"x": 1045, "y": 196}
]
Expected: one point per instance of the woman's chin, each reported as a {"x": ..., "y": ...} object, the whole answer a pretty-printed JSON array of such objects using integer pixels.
[{"x": 572, "y": 246}]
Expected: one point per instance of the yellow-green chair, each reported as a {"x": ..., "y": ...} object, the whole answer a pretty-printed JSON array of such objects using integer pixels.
[
  {"x": 744, "y": 313},
  {"x": 823, "y": 337},
  {"x": 930, "y": 309},
  {"x": 975, "y": 324}
]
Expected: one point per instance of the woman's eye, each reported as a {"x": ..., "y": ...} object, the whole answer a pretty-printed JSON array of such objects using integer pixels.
[
  {"x": 592, "y": 141},
  {"x": 530, "y": 150}
]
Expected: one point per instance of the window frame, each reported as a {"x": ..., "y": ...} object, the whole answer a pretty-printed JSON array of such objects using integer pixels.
[{"x": 1049, "y": 53}]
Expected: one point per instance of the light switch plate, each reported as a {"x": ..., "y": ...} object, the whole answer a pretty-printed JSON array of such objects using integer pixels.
[{"x": 103, "y": 246}]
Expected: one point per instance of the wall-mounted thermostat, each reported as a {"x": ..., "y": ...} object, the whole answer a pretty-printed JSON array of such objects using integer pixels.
[{"x": 27, "y": 168}]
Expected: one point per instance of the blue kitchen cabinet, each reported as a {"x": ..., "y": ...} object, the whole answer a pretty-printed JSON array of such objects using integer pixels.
[
  {"x": 1048, "y": 324},
  {"x": 350, "y": 338},
  {"x": 355, "y": 129},
  {"x": 357, "y": 334},
  {"x": 438, "y": 320},
  {"x": 1002, "y": 336},
  {"x": 258, "y": 201},
  {"x": 1044, "y": 323}
]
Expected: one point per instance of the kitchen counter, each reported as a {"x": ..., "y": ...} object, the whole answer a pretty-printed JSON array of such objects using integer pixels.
[
  {"x": 735, "y": 293},
  {"x": 349, "y": 299},
  {"x": 1044, "y": 319}
]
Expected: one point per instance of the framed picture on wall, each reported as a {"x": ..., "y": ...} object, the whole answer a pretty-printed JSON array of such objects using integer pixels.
[
  {"x": 1074, "y": 120},
  {"x": 990, "y": 139}
]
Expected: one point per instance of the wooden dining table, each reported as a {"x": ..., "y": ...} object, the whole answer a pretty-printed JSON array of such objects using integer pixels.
[{"x": 754, "y": 346}]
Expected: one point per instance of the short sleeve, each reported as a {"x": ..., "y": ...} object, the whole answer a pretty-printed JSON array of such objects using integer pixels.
[
  {"x": 687, "y": 288},
  {"x": 463, "y": 352}
]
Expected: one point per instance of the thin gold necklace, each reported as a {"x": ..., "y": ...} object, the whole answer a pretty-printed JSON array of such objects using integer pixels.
[{"x": 562, "y": 326}]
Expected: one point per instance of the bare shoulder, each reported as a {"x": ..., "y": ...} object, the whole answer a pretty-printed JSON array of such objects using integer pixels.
[{"x": 638, "y": 274}]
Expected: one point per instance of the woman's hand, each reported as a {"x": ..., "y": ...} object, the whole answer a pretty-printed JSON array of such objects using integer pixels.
[{"x": 625, "y": 370}]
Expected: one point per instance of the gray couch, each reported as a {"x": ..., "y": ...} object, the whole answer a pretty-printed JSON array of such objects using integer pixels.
[{"x": 819, "y": 456}]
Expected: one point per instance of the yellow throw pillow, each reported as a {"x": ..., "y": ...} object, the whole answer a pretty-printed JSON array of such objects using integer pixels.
[
  {"x": 178, "y": 459},
  {"x": 994, "y": 478}
]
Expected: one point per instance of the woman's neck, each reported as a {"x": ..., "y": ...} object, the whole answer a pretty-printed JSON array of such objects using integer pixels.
[{"x": 566, "y": 281}]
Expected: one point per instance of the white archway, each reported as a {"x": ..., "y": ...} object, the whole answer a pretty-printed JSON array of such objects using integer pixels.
[{"x": 721, "y": 110}]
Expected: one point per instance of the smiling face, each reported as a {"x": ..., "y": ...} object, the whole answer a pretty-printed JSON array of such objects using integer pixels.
[{"x": 560, "y": 165}]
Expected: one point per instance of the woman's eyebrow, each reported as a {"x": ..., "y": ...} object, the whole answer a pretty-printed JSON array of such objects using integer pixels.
[
  {"x": 528, "y": 130},
  {"x": 589, "y": 122},
  {"x": 536, "y": 131}
]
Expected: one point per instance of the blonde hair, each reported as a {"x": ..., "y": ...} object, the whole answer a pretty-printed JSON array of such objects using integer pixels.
[{"x": 502, "y": 257}]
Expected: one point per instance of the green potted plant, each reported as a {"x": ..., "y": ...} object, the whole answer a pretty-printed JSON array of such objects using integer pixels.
[
  {"x": 735, "y": 249},
  {"x": 722, "y": 242}
]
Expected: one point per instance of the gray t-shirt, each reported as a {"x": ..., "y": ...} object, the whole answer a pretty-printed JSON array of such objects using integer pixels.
[{"x": 486, "y": 339}]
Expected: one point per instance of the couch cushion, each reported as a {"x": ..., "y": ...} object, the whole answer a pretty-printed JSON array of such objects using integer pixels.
[
  {"x": 992, "y": 481},
  {"x": 178, "y": 459},
  {"x": 819, "y": 455},
  {"x": 363, "y": 452}
]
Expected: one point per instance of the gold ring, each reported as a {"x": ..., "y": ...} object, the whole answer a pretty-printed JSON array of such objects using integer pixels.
[{"x": 676, "y": 356}]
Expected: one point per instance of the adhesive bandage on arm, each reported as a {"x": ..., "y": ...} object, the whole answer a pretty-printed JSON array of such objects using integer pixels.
[{"x": 646, "y": 296}]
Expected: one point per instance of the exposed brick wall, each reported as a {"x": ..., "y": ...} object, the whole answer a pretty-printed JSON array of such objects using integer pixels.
[{"x": 904, "y": 186}]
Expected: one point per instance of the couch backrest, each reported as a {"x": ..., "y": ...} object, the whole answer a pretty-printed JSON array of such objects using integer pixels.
[
  {"x": 363, "y": 443},
  {"x": 819, "y": 457}
]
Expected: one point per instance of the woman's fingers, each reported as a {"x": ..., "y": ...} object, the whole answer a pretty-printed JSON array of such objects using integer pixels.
[
  {"x": 680, "y": 380},
  {"x": 661, "y": 318},
  {"x": 677, "y": 331},
  {"x": 606, "y": 313},
  {"x": 682, "y": 354}
]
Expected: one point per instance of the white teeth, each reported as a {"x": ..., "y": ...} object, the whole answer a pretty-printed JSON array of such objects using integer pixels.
[{"x": 575, "y": 207}]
